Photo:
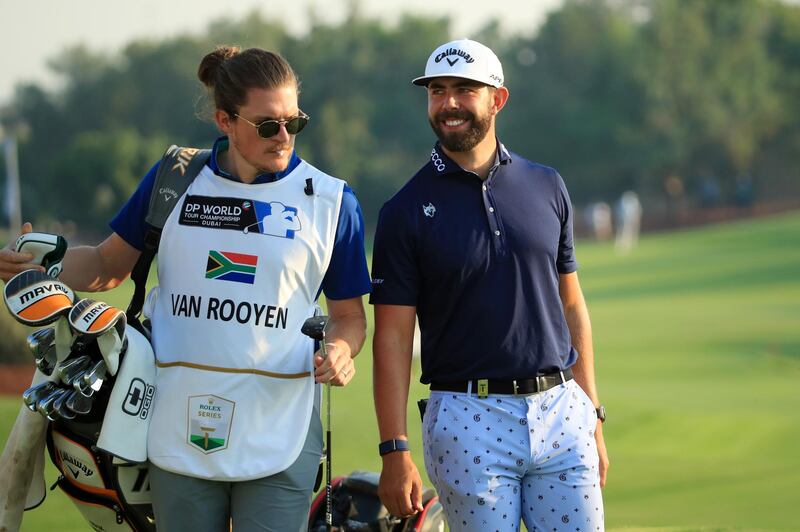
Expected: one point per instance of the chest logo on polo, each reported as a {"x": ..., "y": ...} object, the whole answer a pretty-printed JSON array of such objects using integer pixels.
[
  {"x": 429, "y": 210},
  {"x": 210, "y": 420},
  {"x": 229, "y": 266},
  {"x": 272, "y": 218}
]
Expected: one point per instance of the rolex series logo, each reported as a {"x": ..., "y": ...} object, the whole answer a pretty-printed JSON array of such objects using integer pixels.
[{"x": 210, "y": 420}]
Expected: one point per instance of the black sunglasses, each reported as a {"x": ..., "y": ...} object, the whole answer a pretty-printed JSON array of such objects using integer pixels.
[{"x": 270, "y": 128}]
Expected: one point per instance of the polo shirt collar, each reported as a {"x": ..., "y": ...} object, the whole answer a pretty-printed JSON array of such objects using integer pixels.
[
  {"x": 222, "y": 144},
  {"x": 442, "y": 164}
]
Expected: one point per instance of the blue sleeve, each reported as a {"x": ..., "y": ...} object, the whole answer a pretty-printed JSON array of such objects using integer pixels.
[
  {"x": 347, "y": 276},
  {"x": 129, "y": 223},
  {"x": 395, "y": 274},
  {"x": 566, "y": 261}
]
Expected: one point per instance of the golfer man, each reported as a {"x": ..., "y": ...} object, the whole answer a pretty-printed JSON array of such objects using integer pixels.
[{"x": 478, "y": 244}]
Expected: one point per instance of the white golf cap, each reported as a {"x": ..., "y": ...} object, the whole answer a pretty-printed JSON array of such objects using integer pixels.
[{"x": 463, "y": 59}]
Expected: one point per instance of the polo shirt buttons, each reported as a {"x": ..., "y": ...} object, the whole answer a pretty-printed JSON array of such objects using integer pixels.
[
  {"x": 484, "y": 187},
  {"x": 497, "y": 233},
  {"x": 491, "y": 209}
]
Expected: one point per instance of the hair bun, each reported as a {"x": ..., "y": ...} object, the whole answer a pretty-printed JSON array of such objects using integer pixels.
[{"x": 209, "y": 66}]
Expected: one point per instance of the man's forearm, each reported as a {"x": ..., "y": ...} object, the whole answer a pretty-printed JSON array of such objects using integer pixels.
[
  {"x": 580, "y": 328},
  {"x": 391, "y": 379}
]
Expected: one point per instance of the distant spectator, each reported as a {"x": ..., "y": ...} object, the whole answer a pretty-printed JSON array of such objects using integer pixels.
[
  {"x": 710, "y": 193},
  {"x": 598, "y": 218},
  {"x": 629, "y": 216},
  {"x": 744, "y": 194}
]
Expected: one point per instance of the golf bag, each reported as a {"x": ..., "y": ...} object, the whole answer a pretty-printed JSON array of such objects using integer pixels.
[
  {"x": 111, "y": 495},
  {"x": 356, "y": 507}
]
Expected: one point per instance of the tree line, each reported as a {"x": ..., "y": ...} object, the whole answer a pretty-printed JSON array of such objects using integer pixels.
[{"x": 658, "y": 96}]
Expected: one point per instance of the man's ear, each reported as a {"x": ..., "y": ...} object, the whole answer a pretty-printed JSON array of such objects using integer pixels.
[
  {"x": 223, "y": 120},
  {"x": 499, "y": 99}
]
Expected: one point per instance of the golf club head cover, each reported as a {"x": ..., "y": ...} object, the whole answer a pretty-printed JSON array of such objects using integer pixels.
[
  {"x": 92, "y": 319},
  {"x": 127, "y": 418},
  {"x": 47, "y": 249},
  {"x": 36, "y": 299}
]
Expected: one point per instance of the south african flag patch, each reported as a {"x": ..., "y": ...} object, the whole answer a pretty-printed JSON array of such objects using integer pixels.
[{"x": 228, "y": 266}]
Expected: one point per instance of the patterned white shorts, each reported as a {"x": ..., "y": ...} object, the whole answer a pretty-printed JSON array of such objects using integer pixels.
[{"x": 502, "y": 459}]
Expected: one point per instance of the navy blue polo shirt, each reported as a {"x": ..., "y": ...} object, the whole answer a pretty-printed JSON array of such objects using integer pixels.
[
  {"x": 347, "y": 276},
  {"x": 480, "y": 261}
]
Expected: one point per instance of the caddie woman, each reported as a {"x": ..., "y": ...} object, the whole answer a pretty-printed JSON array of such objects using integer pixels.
[{"x": 236, "y": 435}]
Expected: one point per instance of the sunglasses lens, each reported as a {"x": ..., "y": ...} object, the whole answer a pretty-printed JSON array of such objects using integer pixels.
[
  {"x": 268, "y": 129},
  {"x": 296, "y": 125}
]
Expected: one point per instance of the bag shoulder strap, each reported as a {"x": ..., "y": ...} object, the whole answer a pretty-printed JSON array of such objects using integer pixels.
[{"x": 178, "y": 168}]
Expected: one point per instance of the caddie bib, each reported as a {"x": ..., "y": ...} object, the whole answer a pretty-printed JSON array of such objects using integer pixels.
[{"x": 239, "y": 270}]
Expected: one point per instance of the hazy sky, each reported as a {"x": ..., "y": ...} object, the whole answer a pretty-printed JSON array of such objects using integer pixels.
[{"x": 32, "y": 31}]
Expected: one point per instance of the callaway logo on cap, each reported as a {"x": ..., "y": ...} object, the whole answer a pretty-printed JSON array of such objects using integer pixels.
[{"x": 463, "y": 59}]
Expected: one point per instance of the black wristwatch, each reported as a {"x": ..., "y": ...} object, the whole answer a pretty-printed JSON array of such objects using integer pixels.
[
  {"x": 601, "y": 413},
  {"x": 390, "y": 446}
]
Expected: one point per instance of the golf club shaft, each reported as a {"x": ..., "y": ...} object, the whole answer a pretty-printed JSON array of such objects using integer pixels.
[{"x": 328, "y": 498}]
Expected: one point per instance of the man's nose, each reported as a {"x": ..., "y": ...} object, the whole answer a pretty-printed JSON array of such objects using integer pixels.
[
  {"x": 282, "y": 135},
  {"x": 451, "y": 102}
]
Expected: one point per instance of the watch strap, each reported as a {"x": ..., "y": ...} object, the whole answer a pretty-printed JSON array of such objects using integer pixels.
[
  {"x": 390, "y": 446},
  {"x": 601, "y": 413}
]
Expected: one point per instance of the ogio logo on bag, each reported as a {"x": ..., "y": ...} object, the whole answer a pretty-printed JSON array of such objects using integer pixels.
[
  {"x": 209, "y": 422},
  {"x": 228, "y": 266},
  {"x": 138, "y": 400}
]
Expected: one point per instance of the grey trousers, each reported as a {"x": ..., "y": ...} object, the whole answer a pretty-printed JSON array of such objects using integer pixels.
[{"x": 276, "y": 503}]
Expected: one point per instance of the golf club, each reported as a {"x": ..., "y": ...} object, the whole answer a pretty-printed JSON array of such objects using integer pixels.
[
  {"x": 92, "y": 379},
  {"x": 43, "y": 338},
  {"x": 315, "y": 328},
  {"x": 72, "y": 369},
  {"x": 42, "y": 344},
  {"x": 32, "y": 395},
  {"x": 60, "y": 406},
  {"x": 79, "y": 403},
  {"x": 45, "y": 405}
]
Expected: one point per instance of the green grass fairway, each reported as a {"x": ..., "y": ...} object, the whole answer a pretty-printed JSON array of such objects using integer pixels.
[{"x": 697, "y": 339}]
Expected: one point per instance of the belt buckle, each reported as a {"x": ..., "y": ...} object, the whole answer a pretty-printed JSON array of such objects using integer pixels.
[
  {"x": 483, "y": 388},
  {"x": 516, "y": 388}
]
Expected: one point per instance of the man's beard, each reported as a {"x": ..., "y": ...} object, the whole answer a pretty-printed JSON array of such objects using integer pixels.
[{"x": 461, "y": 141}]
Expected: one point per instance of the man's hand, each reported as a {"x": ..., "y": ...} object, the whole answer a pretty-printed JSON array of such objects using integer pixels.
[
  {"x": 602, "y": 453},
  {"x": 400, "y": 487},
  {"x": 338, "y": 368},
  {"x": 11, "y": 262}
]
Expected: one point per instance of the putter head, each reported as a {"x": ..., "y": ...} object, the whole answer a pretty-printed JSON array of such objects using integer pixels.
[
  {"x": 35, "y": 299},
  {"x": 315, "y": 327}
]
